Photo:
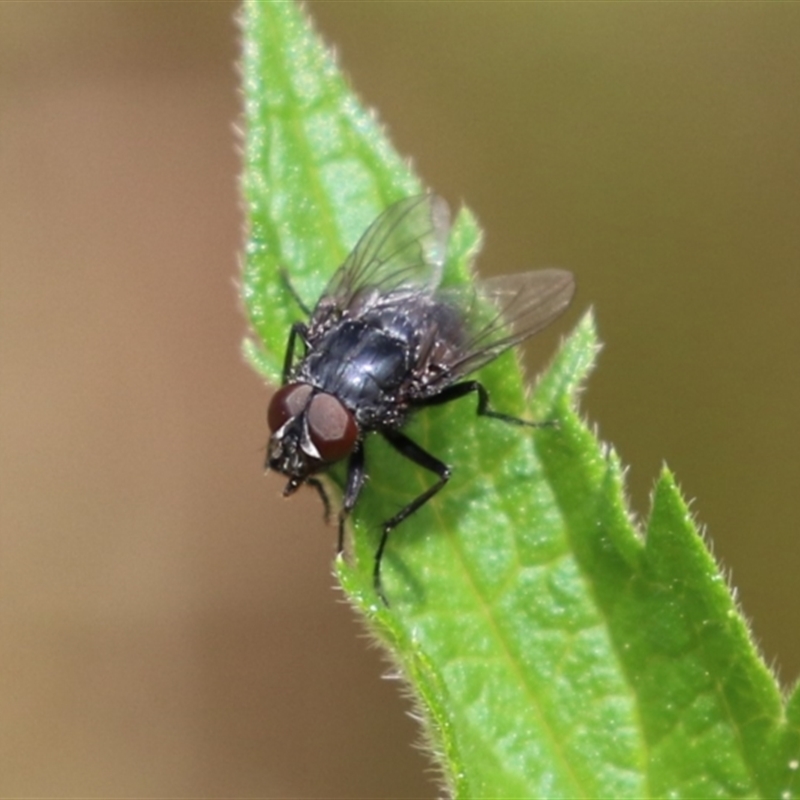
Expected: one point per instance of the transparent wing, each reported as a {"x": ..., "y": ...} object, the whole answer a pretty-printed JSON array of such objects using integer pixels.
[
  {"x": 404, "y": 248},
  {"x": 502, "y": 312}
]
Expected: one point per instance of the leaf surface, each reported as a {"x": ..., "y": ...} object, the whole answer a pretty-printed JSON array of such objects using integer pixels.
[{"x": 555, "y": 649}]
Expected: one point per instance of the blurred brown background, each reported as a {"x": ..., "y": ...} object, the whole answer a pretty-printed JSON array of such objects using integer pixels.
[{"x": 168, "y": 624}]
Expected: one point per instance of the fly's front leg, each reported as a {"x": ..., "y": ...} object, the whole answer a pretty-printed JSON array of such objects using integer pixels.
[
  {"x": 298, "y": 329},
  {"x": 293, "y": 292},
  {"x": 413, "y": 452},
  {"x": 316, "y": 484},
  {"x": 356, "y": 476},
  {"x": 458, "y": 390}
]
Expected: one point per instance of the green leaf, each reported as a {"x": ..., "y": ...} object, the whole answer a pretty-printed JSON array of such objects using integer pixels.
[{"x": 555, "y": 650}]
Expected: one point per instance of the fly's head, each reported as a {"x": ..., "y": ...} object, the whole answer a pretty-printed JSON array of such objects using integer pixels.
[{"x": 310, "y": 431}]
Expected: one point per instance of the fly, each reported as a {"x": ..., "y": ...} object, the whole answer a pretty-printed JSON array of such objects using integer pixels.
[{"x": 384, "y": 340}]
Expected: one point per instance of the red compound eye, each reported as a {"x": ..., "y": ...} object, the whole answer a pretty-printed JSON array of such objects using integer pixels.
[
  {"x": 286, "y": 403},
  {"x": 331, "y": 427}
]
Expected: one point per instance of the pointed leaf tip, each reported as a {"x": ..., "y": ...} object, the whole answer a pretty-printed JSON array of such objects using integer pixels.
[{"x": 559, "y": 386}]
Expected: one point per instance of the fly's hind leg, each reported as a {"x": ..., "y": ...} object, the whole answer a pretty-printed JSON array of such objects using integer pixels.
[
  {"x": 458, "y": 390},
  {"x": 413, "y": 452}
]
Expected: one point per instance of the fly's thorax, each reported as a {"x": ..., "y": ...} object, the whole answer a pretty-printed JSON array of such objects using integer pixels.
[{"x": 360, "y": 363}]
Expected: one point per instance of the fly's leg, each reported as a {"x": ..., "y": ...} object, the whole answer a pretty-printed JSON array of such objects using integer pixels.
[
  {"x": 356, "y": 475},
  {"x": 413, "y": 452},
  {"x": 293, "y": 292},
  {"x": 458, "y": 390},
  {"x": 323, "y": 495},
  {"x": 298, "y": 329}
]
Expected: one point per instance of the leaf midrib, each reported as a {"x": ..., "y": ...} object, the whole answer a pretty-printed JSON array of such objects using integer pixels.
[{"x": 485, "y": 607}]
